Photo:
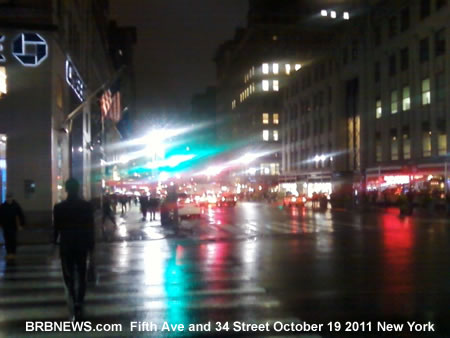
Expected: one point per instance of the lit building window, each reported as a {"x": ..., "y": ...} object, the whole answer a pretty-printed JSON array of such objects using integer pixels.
[
  {"x": 265, "y": 135},
  {"x": 253, "y": 86},
  {"x": 378, "y": 109},
  {"x": 442, "y": 144},
  {"x": 288, "y": 68},
  {"x": 394, "y": 104},
  {"x": 253, "y": 71},
  {"x": 297, "y": 66},
  {"x": 426, "y": 94},
  {"x": 426, "y": 144},
  {"x": 3, "y": 81},
  {"x": 265, "y": 85},
  {"x": 275, "y": 135},
  {"x": 265, "y": 118},
  {"x": 275, "y": 68},
  {"x": 406, "y": 99},
  {"x": 274, "y": 169},
  {"x": 276, "y": 118},
  {"x": 323, "y": 12},
  {"x": 275, "y": 85},
  {"x": 265, "y": 68},
  {"x": 233, "y": 104},
  {"x": 346, "y": 16},
  {"x": 333, "y": 14}
]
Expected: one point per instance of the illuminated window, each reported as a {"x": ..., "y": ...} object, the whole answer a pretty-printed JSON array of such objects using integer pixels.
[
  {"x": 346, "y": 16},
  {"x": 265, "y": 118},
  {"x": 3, "y": 81},
  {"x": 265, "y": 68},
  {"x": 378, "y": 109},
  {"x": 275, "y": 68},
  {"x": 442, "y": 144},
  {"x": 233, "y": 104},
  {"x": 394, "y": 104},
  {"x": 275, "y": 135},
  {"x": 275, "y": 85},
  {"x": 333, "y": 14},
  {"x": 406, "y": 99},
  {"x": 265, "y": 85},
  {"x": 274, "y": 169},
  {"x": 265, "y": 135},
  {"x": 426, "y": 94},
  {"x": 297, "y": 66},
  {"x": 323, "y": 12},
  {"x": 276, "y": 118},
  {"x": 288, "y": 68},
  {"x": 253, "y": 71},
  {"x": 253, "y": 86}
]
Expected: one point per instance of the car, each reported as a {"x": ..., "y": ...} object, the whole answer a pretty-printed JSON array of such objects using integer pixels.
[
  {"x": 227, "y": 200},
  {"x": 294, "y": 200},
  {"x": 188, "y": 207}
]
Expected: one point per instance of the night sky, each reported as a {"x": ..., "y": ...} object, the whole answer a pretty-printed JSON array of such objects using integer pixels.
[{"x": 176, "y": 43}]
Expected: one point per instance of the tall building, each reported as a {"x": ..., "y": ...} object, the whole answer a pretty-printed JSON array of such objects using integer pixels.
[
  {"x": 251, "y": 70},
  {"x": 54, "y": 56},
  {"x": 371, "y": 110}
]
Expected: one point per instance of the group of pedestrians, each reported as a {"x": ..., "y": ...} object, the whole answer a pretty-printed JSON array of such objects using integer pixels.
[{"x": 149, "y": 204}]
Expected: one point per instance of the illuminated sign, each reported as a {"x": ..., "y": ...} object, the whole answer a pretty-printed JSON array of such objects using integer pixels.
[
  {"x": 396, "y": 179},
  {"x": 30, "y": 49},
  {"x": 2, "y": 57},
  {"x": 3, "y": 83},
  {"x": 74, "y": 80}
]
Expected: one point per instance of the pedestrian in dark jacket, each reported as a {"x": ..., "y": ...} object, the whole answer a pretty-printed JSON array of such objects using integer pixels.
[
  {"x": 74, "y": 223},
  {"x": 143, "y": 201},
  {"x": 11, "y": 217}
]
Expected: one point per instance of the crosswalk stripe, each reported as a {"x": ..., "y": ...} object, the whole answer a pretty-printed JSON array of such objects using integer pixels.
[{"x": 154, "y": 293}]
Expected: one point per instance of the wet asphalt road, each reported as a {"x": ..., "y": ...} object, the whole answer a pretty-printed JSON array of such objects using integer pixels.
[{"x": 255, "y": 263}]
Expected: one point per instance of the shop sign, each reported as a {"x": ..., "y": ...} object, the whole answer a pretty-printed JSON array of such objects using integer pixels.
[
  {"x": 30, "y": 49},
  {"x": 396, "y": 179}
]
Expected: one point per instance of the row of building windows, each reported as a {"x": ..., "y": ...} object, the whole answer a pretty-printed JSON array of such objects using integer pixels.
[
  {"x": 246, "y": 93},
  {"x": 406, "y": 144},
  {"x": 276, "y": 68},
  {"x": 266, "y": 118},
  {"x": 424, "y": 55},
  {"x": 266, "y": 85},
  {"x": 266, "y": 135},
  {"x": 406, "y": 96},
  {"x": 405, "y": 22},
  {"x": 249, "y": 75}
]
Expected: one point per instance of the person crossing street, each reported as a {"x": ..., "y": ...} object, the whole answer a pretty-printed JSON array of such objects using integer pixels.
[
  {"x": 11, "y": 218},
  {"x": 74, "y": 224}
]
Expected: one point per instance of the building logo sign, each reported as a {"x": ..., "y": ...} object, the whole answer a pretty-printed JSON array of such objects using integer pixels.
[
  {"x": 74, "y": 80},
  {"x": 30, "y": 49}
]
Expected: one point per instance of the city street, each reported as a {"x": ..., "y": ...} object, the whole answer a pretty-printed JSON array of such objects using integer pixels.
[{"x": 254, "y": 263}]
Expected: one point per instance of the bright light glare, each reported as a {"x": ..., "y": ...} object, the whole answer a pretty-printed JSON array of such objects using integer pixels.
[
  {"x": 323, "y": 12},
  {"x": 346, "y": 16},
  {"x": 298, "y": 66},
  {"x": 333, "y": 14},
  {"x": 164, "y": 176}
]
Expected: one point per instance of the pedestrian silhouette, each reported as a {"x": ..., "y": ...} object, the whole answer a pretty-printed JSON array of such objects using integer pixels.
[
  {"x": 74, "y": 223},
  {"x": 11, "y": 218}
]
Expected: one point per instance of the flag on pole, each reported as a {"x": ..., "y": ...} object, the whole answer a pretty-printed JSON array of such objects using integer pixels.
[{"x": 110, "y": 103}]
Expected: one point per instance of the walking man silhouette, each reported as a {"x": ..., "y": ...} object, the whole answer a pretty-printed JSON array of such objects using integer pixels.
[{"x": 74, "y": 223}]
